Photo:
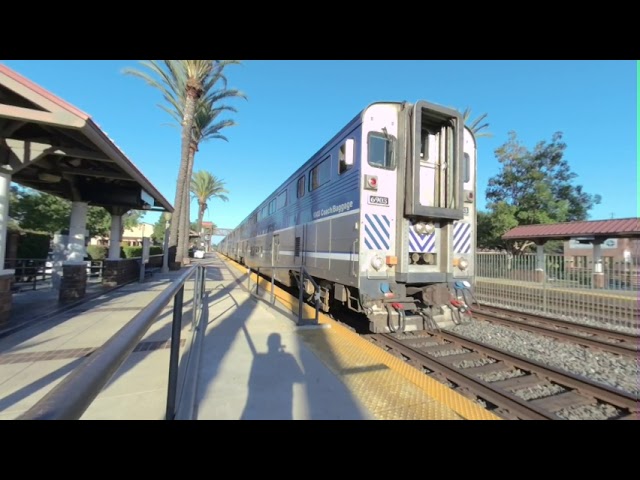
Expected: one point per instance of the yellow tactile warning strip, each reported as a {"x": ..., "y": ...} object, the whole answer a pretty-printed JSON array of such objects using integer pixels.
[
  {"x": 387, "y": 386},
  {"x": 380, "y": 389}
]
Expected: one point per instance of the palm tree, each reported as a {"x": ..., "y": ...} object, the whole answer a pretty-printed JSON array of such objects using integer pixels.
[
  {"x": 206, "y": 126},
  {"x": 205, "y": 187},
  {"x": 475, "y": 126},
  {"x": 181, "y": 82}
]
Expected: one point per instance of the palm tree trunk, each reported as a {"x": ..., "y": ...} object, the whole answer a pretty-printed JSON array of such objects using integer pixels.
[
  {"x": 184, "y": 177},
  {"x": 183, "y": 241},
  {"x": 177, "y": 206},
  {"x": 201, "y": 209}
]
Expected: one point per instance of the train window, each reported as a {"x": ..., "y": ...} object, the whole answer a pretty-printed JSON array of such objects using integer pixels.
[
  {"x": 346, "y": 155},
  {"x": 281, "y": 200},
  {"x": 265, "y": 213},
  {"x": 301, "y": 187},
  {"x": 381, "y": 151},
  {"x": 467, "y": 167},
  {"x": 272, "y": 206},
  {"x": 320, "y": 174}
]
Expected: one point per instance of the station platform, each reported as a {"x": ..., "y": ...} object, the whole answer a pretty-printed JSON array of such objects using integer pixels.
[{"x": 255, "y": 363}]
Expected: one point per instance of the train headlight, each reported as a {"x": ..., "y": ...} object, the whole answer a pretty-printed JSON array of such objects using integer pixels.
[
  {"x": 377, "y": 262},
  {"x": 424, "y": 228},
  {"x": 463, "y": 263}
]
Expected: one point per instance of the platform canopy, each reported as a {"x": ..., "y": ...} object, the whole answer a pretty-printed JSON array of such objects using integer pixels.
[
  {"x": 588, "y": 230},
  {"x": 51, "y": 146}
]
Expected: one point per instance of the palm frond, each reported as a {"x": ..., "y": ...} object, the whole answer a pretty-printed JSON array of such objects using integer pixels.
[{"x": 474, "y": 125}]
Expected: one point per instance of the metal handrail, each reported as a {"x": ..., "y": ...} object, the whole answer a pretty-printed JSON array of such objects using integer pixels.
[
  {"x": 303, "y": 273},
  {"x": 71, "y": 397}
]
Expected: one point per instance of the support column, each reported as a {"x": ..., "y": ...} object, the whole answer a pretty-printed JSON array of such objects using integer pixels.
[
  {"x": 540, "y": 263},
  {"x": 115, "y": 237},
  {"x": 74, "y": 271},
  {"x": 6, "y": 276},
  {"x": 76, "y": 249},
  {"x": 598, "y": 272},
  {"x": 165, "y": 249}
]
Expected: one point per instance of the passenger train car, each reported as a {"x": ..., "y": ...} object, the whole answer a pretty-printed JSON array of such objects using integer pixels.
[{"x": 383, "y": 217}]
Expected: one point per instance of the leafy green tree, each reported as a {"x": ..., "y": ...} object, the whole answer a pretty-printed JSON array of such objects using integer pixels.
[
  {"x": 39, "y": 211},
  {"x": 98, "y": 221},
  {"x": 159, "y": 227},
  {"x": 204, "y": 187},
  {"x": 532, "y": 187},
  {"x": 130, "y": 220},
  {"x": 43, "y": 212}
]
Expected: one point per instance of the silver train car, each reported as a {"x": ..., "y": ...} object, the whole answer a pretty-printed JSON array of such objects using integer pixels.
[{"x": 383, "y": 217}]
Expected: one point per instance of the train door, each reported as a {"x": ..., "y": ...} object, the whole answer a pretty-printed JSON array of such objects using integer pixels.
[{"x": 433, "y": 207}]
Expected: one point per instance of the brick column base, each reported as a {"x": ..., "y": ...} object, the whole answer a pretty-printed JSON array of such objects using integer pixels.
[
  {"x": 73, "y": 286},
  {"x": 5, "y": 298},
  {"x": 119, "y": 272}
]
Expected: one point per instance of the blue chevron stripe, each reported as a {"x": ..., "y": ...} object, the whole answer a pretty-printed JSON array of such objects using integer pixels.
[{"x": 421, "y": 243}]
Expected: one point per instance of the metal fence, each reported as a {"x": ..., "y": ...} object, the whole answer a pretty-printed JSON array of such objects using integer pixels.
[
  {"x": 559, "y": 285},
  {"x": 34, "y": 273},
  {"x": 303, "y": 275}
]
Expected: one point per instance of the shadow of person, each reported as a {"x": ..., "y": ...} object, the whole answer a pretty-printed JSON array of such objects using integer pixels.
[{"x": 271, "y": 383}]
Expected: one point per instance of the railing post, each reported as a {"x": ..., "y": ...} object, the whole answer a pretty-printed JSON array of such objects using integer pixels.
[
  {"x": 257, "y": 281},
  {"x": 196, "y": 287},
  {"x": 204, "y": 281},
  {"x": 273, "y": 283},
  {"x": 300, "y": 288},
  {"x": 544, "y": 285},
  {"x": 176, "y": 326}
]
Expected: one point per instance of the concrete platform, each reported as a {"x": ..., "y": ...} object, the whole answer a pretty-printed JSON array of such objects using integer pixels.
[{"x": 255, "y": 363}]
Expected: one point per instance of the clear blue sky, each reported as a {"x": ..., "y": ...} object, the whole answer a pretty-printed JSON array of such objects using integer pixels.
[{"x": 294, "y": 107}]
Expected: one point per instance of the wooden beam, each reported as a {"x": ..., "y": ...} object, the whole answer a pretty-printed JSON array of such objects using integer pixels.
[
  {"x": 94, "y": 173},
  {"x": 21, "y": 153},
  {"x": 75, "y": 136},
  {"x": 79, "y": 153},
  {"x": 60, "y": 119},
  {"x": 11, "y": 128}
]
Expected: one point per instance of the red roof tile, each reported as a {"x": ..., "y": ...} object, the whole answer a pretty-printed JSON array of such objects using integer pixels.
[{"x": 620, "y": 227}]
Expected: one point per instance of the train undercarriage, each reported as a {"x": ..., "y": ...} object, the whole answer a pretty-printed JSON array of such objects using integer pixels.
[{"x": 405, "y": 308}]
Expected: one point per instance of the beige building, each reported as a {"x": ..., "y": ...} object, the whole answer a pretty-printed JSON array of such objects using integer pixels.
[
  {"x": 131, "y": 237},
  {"x": 613, "y": 251}
]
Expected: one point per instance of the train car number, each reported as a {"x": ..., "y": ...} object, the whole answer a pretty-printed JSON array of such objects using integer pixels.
[{"x": 374, "y": 200}]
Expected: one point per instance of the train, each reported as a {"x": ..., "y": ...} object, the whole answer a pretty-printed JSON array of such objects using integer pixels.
[{"x": 383, "y": 217}]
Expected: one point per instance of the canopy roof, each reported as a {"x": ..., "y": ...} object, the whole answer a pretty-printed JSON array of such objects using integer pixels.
[{"x": 51, "y": 146}]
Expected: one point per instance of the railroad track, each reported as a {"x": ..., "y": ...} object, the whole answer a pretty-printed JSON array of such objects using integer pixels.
[
  {"x": 509, "y": 385},
  {"x": 588, "y": 336}
]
